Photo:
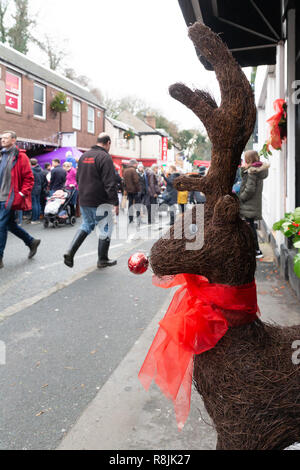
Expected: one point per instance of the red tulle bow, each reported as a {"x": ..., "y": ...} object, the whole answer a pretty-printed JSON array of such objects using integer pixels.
[{"x": 193, "y": 324}]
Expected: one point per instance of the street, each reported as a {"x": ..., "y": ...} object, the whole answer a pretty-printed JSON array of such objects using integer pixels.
[
  {"x": 65, "y": 331},
  {"x": 75, "y": 341}
]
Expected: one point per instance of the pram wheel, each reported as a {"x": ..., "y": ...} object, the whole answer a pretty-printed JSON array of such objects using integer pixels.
[
  {"x": 55, "y": 223},
  {"x": 73, "y": 220},
  {"x": 46, "y": 223}
]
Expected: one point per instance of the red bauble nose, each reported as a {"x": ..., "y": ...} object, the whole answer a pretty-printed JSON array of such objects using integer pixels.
[{"x": 138, "y": 263}]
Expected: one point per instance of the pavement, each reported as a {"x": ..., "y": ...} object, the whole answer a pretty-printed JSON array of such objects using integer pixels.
[{"x": 123, "y": 416}]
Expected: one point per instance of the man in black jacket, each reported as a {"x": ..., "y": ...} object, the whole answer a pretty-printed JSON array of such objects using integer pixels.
[
  {"x": 97, "y": 193},
  {"x": 58, "y": 177}
]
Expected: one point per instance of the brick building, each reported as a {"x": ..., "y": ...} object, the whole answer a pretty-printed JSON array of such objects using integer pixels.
[{"x": 26, "y": 91}]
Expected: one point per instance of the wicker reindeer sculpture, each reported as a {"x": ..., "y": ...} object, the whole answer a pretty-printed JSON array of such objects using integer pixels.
[{"x": 241, "y": 366}]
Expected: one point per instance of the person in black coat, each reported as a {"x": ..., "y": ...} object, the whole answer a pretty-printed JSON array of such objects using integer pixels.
[
  {"x": 58, "y": 177},
  {"x": 39, "y": 185},
  {"x": 97, "y": 186},
  {"x": 170, "y": 194}
]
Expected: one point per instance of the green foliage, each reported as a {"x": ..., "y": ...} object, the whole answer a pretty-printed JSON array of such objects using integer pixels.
[
  {"x": 19, "y": 34},
  {"x": 290, "y": 227},
  {"x": 128, "y": 135},
  {"x": 3, "y": 29},
  {"x": 297, "y": 264},
  {"x": 265, "y": 151},
  {"x": 59, "y": 103}
]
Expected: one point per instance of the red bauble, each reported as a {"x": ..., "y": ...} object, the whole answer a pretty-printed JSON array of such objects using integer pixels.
[{"x": 138, "y": 263}]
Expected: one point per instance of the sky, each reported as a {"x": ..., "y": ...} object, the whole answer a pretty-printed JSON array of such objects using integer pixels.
[{"x": 127, "y": 47}]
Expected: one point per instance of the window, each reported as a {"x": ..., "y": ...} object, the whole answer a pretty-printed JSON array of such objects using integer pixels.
[
  {"x": 39, "y": 101},
  {"x": 91, "y": 120},
  {"x": 13, "y": 91},
  {"x": 76, "y": 115}
]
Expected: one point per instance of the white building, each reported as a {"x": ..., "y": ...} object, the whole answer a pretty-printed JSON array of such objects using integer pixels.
[{"x": 267, "y": 34}]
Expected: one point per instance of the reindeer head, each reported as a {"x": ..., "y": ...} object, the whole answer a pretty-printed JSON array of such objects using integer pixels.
[{"x": 228, "y": 255}]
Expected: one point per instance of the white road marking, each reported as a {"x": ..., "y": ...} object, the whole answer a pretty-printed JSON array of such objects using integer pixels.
[{"x": 19, "y": 306}]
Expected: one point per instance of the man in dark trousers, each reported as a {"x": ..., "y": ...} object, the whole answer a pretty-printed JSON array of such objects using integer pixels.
[
  {"x": 16, "y": 183},
  {"x": 58, "y": 177},
  {"x": 97, "y": 193},
  {"x": 132, "y": 186},
  {"x": 39, "y": 185}
]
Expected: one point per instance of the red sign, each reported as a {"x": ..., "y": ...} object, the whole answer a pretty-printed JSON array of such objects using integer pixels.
[
  {"x": 12, "y": 83},
  {"x": 12, "y": 101},
  {"x": 164, "y": 154}
]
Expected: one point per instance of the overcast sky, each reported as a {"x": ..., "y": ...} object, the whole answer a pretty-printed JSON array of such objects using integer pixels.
[{"x": 128, "y": 47}]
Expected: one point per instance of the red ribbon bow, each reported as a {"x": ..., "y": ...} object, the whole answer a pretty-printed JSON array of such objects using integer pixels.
[{"x": 193, "y": 324}]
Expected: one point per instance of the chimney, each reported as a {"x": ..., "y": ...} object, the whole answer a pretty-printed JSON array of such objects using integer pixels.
[{"x": 151, "y": 121}]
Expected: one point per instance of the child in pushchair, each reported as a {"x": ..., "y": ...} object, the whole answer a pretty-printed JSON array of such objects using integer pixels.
[{"x": 58, "y": 209}]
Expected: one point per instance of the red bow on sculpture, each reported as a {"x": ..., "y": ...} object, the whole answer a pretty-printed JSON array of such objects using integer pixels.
[{"x": 194, "y": 323}]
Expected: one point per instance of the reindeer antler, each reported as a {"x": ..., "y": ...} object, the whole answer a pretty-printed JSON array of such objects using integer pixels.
[{"x": 228, "y": 126}]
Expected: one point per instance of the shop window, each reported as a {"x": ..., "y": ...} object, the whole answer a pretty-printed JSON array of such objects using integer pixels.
[
  {"x": 13, "y": 91},
  {"x": 39, "y": 101}
]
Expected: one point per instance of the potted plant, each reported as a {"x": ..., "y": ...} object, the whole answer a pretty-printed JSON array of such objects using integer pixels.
[{"x": 290, "y": 227}]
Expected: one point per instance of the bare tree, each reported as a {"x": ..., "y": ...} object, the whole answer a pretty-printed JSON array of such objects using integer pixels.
[{"x": 54, "y": 53}]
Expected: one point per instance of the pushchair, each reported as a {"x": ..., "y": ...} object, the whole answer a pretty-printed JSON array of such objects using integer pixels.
[{"x": 58, "y": 209}]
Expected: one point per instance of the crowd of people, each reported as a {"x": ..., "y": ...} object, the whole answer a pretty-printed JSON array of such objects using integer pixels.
[
  {"x": 153, "y": 186},
  {"x": 25, "y": 188}
]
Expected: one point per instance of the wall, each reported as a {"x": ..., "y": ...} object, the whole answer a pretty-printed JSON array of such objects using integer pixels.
[
  {"x": 119, "y": 145},
  {"x": 29, "y": 127}
]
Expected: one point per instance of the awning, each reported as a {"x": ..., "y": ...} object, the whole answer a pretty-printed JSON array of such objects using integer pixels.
[
  {"x": 118, "y": 160},
  {"x": 250, "y": 28},
  {"x": 205, "y": 163}
]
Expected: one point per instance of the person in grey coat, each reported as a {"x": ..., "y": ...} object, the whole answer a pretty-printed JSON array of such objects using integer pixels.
[
  {"x": 252, "y": 173},
  {"x": 170, "y": 195}
]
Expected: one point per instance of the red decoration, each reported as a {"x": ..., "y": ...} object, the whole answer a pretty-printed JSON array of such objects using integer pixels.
[
  {"x": 138, "y": 263},
  {"x": 193, "y": 324},
  {"x": 277, "y": 125}
]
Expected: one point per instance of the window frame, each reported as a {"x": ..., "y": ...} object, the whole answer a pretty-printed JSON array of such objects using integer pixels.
[
  {"x": 17, "y": 94},
  {"x": 89, "y": 121},
  {"x": 76, "y": 116},
  {"x": 37, "y": 101}
]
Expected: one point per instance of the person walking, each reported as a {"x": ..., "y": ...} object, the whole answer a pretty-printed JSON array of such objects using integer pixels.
[
  {"x": 253, "y": 172},
  {"x": 141, "y": 174},
  {"x": 58, "y": 177},
  {"x": 170, "y": 194},
  {"x": 153, "y": 190},
  {"x": 16, "y": 183},
  {"x": 46, "y": 187},
  {"x": 182, "y": 200},
  {"x": 132, "y": 187},
  {"x": 97, "y": 193},
  {"x": 39, "y": 185}
]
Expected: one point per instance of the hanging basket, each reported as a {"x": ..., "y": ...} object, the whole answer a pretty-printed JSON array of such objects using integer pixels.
[
  {"x": 59, "y": 103},
  {"x": 128, "y": 135}
]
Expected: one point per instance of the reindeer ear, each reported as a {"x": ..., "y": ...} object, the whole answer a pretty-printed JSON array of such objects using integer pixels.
[
  {"x": 189, "y": 183},
  {"x": 226, "y": 210}
]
